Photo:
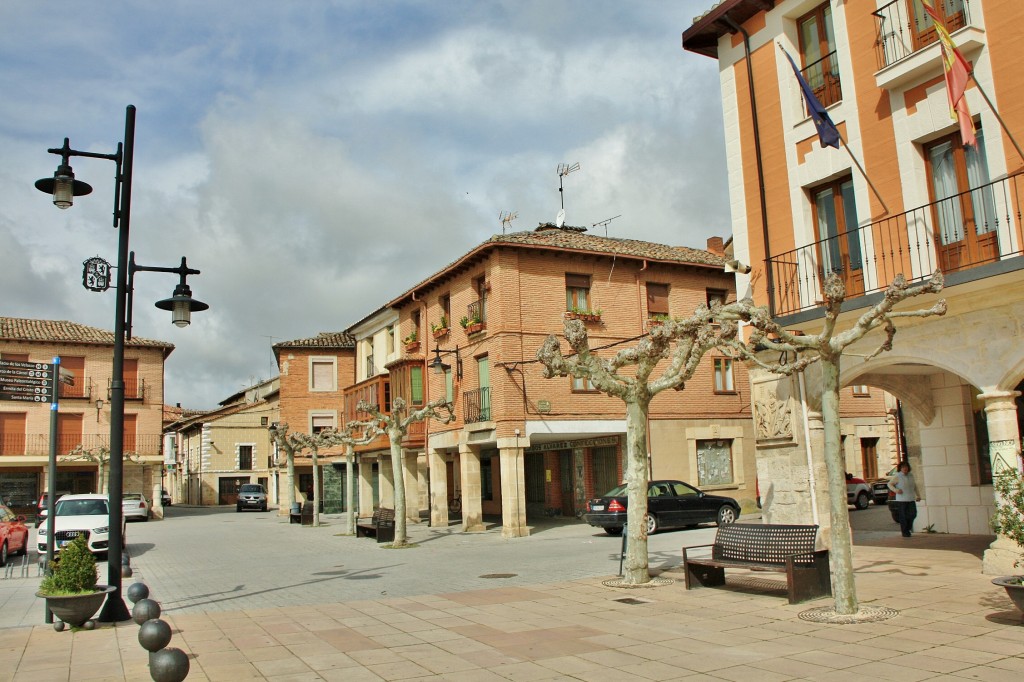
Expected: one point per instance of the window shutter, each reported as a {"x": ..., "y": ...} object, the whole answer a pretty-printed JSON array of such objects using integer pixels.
[
  {"x": 323, "y": 375},
  {"x": 657, "y": 299},
  {"x": 577, "y": 281}
]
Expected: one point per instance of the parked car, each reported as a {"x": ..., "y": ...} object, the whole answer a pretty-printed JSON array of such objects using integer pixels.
[
  {"x": 670, "y": 504},
  {"x": 880, "y": 488},
  {"x": 41, "y": 508},
  {"x": 135, "y": 506},
  {"x": 165, "y": 498},
  {"x": 858, "y": 492},
  {"x": 251, "y": 496},
  {"x": 76, "y": 515},
  {"x": 13, "y": 534}
]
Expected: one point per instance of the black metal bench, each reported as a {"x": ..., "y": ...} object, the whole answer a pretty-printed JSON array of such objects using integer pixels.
[
  {"x": 781, "y": 548},
  {"x": 381, "y": 526}
]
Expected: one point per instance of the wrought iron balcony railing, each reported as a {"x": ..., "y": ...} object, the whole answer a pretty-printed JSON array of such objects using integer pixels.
[
  {"x": 963, "y": 231},
  {"x": 902, "y": 27},
  {"x": 823, "y": 77},
  {"x": 38, "y": 444},
  {"x": 477, "y": 405}
]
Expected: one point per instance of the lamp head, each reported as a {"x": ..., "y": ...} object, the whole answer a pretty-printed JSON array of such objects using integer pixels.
[
  {"x": 63, "y": 186},
  {"x": 436, "y": 365},
  {"x": 181, "y": 305}
]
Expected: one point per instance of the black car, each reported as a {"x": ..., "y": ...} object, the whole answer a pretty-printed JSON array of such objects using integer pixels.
[{"x": 670, "y": 504}]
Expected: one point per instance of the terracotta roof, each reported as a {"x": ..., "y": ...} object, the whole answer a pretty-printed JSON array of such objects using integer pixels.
[
  {"x": 573, "y": 239},
  {"x": 62, "y": 331},
  {"x": 321, "y": 340}
]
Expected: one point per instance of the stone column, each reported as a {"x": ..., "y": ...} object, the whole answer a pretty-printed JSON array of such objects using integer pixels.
[
  {"x": 472, "y": 508},
  {"x": 365, "y": 487},
  {"x": 1004, "y": 453},
  {"x": 157, "y": 500},
  {"x": 513, "y": 489},
  {"x": 438, "y": 488}
]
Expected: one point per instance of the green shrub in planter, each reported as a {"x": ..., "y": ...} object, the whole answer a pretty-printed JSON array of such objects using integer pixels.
[{"x": 73, "y": 571}]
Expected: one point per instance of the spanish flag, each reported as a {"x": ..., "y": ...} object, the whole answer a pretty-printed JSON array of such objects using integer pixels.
[{"x": 958, "y": 72}]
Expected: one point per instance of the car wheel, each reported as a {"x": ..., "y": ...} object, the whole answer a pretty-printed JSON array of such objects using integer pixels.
[
  {"x": 24, "y": 548},
  {"x": 238, "y": 509},
  {"x": 862, "y": 501},
  {"x": 726, "y": 515},
  {"x": 3, "y": 554},
  {"x": 613, "y": 530},
  {"x": 263, "y": 508},
  {"x": 652, "y": 523}
]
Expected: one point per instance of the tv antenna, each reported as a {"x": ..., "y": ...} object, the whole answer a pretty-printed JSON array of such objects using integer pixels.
[
  {"x": 604, "y": 223},
  {"x": 506, "y": 218},
  {"x": 563, "y": 170}
]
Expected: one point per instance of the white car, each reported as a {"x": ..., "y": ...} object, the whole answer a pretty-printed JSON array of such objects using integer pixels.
[
  {"x": 76, "y": 515},
  {"x": 135, "y": 506},
  {"x": 858, "y": 492}
]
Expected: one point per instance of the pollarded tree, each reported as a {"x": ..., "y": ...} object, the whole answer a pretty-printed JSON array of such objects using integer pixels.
[
  {"x": 683, "y": 343},
  {"x": 279, "y": 432},
  {"x": 826, "y": 348},
  {"x": 99, "y": 455},
  {"x": 396, "y": 425}
]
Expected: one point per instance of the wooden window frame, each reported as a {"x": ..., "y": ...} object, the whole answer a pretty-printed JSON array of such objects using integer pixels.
[
  {"x": 727, "y": 370},
  {"x": 577, "y": 291},
  {"x": 587, "y": 386},
  {"x": 657, "y": 303}
]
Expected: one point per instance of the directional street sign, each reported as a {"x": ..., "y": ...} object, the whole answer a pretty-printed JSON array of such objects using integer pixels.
[{"x": 26, "y": 381}]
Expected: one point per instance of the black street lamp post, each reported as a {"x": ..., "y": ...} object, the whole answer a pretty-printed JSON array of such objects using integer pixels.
[{"x": 64, "y": 188}]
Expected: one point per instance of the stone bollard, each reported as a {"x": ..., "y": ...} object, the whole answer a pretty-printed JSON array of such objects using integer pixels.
[
  {"x": 168, "y": 665},
  {"x": 165, "y": 664},
  {"x": 154, "y": 635},
  {"x": 136, "y": 591},
  {"x": 145, "y": 609}
]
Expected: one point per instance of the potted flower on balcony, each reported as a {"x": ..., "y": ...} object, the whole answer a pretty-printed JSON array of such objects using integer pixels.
[
  {"x": 412, "y": 342},
  {"x": 440, "y": 328},
  {"x": 472, "y": 325},
  {"x": 583, "y": 314},
  {"x": 1009, "y": 521},
  {"x": 656, "y": 320},
  {"x": 70, "y": 588}
]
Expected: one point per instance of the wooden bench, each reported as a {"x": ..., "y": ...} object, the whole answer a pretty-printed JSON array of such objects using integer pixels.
[
  {"x": 781, "y": 548},
  {"x": 381, "y": 526}
]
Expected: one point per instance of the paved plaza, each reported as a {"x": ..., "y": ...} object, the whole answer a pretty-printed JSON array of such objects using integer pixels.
[{"x": 250, "y": 597}]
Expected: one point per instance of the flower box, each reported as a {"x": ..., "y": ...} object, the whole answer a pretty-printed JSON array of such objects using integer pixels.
[
  {"x": 440, "y": 333},
  {"x": 412, "y": 346},
  {"x": 585, "y": 317},
  {"x": 474, "y": 328}
]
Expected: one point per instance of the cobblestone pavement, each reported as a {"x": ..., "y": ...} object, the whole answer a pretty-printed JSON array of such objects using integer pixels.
[{"x": 250, "y": 597}]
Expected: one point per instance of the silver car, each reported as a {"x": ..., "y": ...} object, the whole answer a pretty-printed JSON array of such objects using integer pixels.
[{"x": 251, "y": 496}]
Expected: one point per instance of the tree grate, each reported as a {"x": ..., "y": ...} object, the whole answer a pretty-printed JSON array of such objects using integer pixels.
[{"x": 866, "y": 614}]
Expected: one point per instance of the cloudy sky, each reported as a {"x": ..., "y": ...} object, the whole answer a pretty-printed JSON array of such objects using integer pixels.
[{"x": 316, "y": 158}]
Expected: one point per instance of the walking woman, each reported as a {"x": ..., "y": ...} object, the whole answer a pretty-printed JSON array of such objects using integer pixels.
[{"x": 907, "y": 497}]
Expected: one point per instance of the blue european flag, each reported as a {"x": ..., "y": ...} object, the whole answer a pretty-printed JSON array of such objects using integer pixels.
[{"x": 828, "y": 134}]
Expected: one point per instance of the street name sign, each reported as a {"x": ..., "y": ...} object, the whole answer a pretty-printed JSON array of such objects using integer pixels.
[{"x": 26, "y": 381}]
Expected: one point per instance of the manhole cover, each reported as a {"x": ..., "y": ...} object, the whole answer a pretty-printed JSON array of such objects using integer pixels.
[
  {"x": 498, "y": 575},
  {"x": 866, "y": 614},
  {"x": 631, "y": 601}
]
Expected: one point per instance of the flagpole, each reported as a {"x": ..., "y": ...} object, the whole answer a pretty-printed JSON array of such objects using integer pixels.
[
  {"x": 861, "y": 169},
  {"x": 995, "y": 113}
]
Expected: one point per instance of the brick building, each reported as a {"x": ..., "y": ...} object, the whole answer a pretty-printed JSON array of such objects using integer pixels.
[
  {"x": 84, "y": 411},
  {"x": 923, "y": 201}
]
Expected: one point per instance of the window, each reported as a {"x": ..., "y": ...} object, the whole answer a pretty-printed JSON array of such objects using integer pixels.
[
  {"x": 445, "y": 303},
  {"x": 449, "y": 388},
  {"x": 657, "y": 300},
  {"x": 964, "y": 213},
  {"x": 717, "y": 296},
  {"x": 951, "y": 12},
  {"x": 12, "y": 432},
  {"x": 244, "y": 457},
  {"x": 132, "y": 384},
  {"x": 130, "y": 430},
  {"x": 835, "y": 220},
  {"x": 75, "y": 365},
  {"x": 391, "y": 341},
  {"x": 818, "y": 53},
  {"x": 714, "y": 462},
  {"x": 481, "y": 287},
  {"x": 323, "y": 374},
  {"x": 723, "y": 376},
  {"x": 320, "y": 422},
  {"x": 861, "y": 391},
  {"x": 416, "y": 385},
  {"x": 582, "y": 384},
  {"x": 369, "y": 368},
  {"x": 577, "y": 292}
]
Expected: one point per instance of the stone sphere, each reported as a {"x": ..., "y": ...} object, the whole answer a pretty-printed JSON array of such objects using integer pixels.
[
  {"x": 59, "y": 626},
  {"x": 127, "y": 572},
  {"x": 89, "y": 624},
  {"x": 136, "y": 591},
  {"x": 168, "y": 665},
  {"x": 154, "y": 635},
  {"x": 145, "y": 609},
  {"x": 126, "y": 559}
]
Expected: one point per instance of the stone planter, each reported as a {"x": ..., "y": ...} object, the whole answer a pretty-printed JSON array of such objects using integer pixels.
[
  {"x": 1014, "y": 586},
  {"x": 76, "y": 609}
]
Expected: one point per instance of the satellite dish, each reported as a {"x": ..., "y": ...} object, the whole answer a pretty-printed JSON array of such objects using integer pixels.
[{"x": 560, "y": 219}]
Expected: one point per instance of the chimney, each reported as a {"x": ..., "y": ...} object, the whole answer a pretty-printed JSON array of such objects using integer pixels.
[{"x": 716, "y": 246}]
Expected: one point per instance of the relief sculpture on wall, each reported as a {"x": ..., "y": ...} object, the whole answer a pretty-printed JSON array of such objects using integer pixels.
[{"x": 772, "y": 411}]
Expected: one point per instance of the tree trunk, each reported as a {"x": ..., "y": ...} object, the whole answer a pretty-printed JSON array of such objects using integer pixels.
[
  {"x": 398, "y": 473},
  {"x": 316, "y": 487},
  {"x": 350, "y": 516},
  {"x": 841, "y": 553},
  {"x": 635, "y": 565},
  {"x": 289, "y": 498}
]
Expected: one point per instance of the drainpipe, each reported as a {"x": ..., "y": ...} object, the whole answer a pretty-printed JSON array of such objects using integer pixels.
[{"x": 770, "y": 277}]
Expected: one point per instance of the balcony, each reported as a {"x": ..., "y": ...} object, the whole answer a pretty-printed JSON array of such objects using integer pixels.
[
  {"x": 965, "y": 231},
  {"x": 374, "y": 391},
  {"x": 82, "y": 388},
  {"x": 477, "y": 405},
  {"x": 823, "y": 77},
  {"x": 900, "y": 30},
  {"x": 38, "y": 444},
  {"x": 133, "y": 389}
]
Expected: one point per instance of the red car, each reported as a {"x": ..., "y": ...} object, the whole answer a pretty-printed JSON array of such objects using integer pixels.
[{"x": 13, "y": 534}]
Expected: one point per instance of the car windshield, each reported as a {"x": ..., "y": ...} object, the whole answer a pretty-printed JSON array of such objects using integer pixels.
[
  {"x": 81, "y": 507},
  {"x": 251, "y": 489},
  {"x": 132, "y": 496},
  {"x": 617, "y": 491}
]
